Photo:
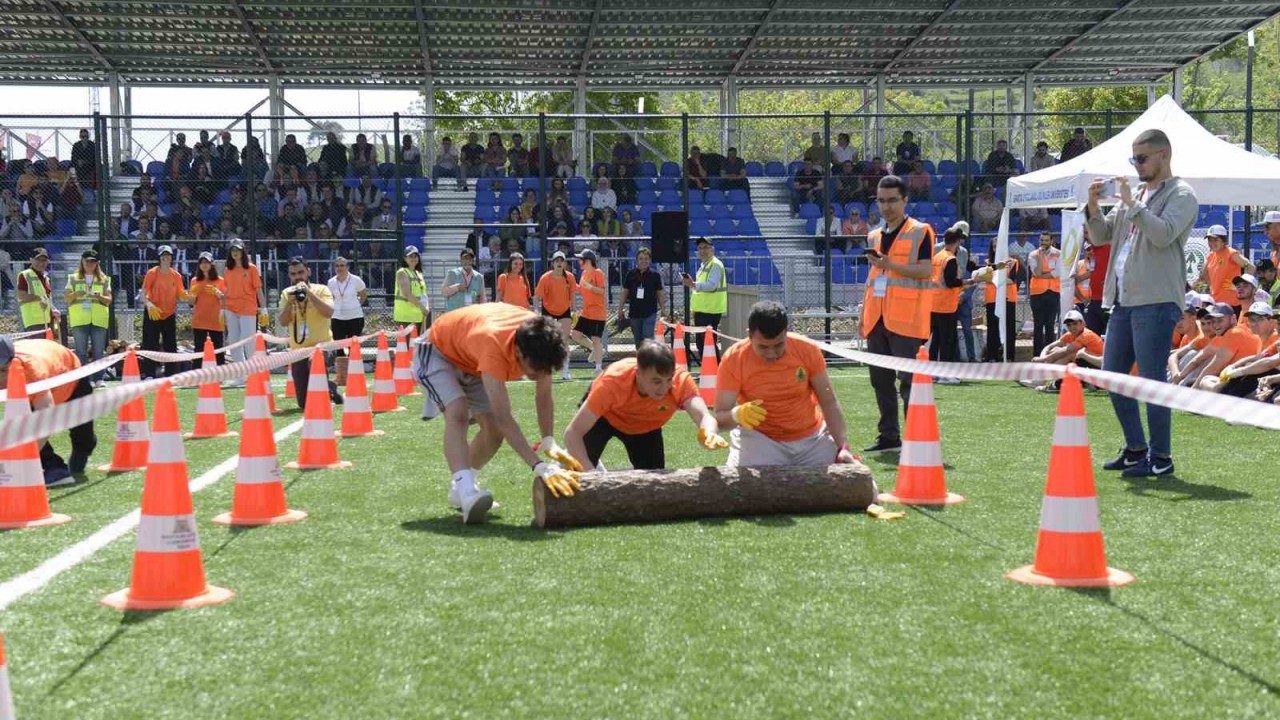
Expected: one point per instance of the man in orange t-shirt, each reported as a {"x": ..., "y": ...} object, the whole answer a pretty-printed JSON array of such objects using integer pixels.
[
  {"x": 1240, "y": 378},
  {"x": 1234, "y": 342},
  {"x": 588, "y": 330},
  {"x": 41, "y": 360},
  {"x": 631, "y": 401},
  {"x": 774, "y": 391},
  {"x": 464, "y": 363},
  {"x": 1079, "y": 346}
]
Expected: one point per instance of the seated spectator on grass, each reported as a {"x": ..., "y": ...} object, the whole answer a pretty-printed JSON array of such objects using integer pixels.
[
  {"x": 1041, "y": 159},
  {"x": 562, "y": 158},
  {"x": 907, "y": 152},
  {"x": 843, "y": 152},
  {"x": 473, "y": 156},
  {"x": 518, "y": 157},
  {"x": 987, "y": 210},
  {"x": 806, "y": 186},
  {"x": 1267, "y": 280},
  {"x": 1076, "y": 146},
  {"x": 1241, "y": 377},
  {"x": 918, "y": 182},
  {"x": 1079, "y": 346},
  {"x": 364, "y": 157},
  {"x": 733, "y": 173},
  {"x": 695, "y": 172},
  {"x": 292, "y": 154},
  {"x": 410, "y": 158},
  {"x": 448, "y": 164},
  {"x": 604, "y": 197},
  {"x": 625, "y": 152},
  {"x": 333, "y": 158},
  {"x": 1000, "y": 164},
  {"x": 1232, "y": 342},
  {"x": 495, "y": 157}
]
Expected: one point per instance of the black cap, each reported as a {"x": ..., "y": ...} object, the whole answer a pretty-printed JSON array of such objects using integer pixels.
[
  {"x": 1079, "y": 131},
  {"x": 89, "y": 254},
  {"x": 466, "y": 250},
  {"x": 589, "y": 254},
  {"x": 1265, "y": 265},
  {"x": 39, "y": 252},
  {"x": 705, "y": 241}
]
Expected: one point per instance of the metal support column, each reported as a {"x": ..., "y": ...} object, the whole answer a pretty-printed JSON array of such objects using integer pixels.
[
  {"x": 429, "y": 125},
  {"x": 126, "y": 123},
  {"x": 1177, "y": 86},
  {"x": 1248, "y": 133},
  {"x": 1028, "y": 115},
  {"x": 684, "y": 197},
  {"x": 580, "y": 148},
  {"x": 543, "y": 190},
  {"x": 275, "y": 106},
  {"x": 249, "y": 188},
  {"x": 398, "y": 204},
  {"x": 880, "y": 109},
  {"x": 115, "y": 109},
  {"x": 730, "y": 108},
  {"x": 826, "y": 225}
]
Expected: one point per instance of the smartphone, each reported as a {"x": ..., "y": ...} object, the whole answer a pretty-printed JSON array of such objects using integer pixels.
[
  {"x": 1109, "y": 188},
  {"x": 873, "y": 253}
]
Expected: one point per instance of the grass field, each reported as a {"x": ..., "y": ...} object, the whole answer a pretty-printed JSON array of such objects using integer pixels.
[{"x": 381, "y": 604}]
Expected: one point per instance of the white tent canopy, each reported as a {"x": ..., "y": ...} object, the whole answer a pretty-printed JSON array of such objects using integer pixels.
[{"x": 1220, "y": 172}]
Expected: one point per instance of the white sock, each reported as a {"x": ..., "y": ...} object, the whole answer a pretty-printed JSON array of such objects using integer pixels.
[{"x": 465, "y": 480}]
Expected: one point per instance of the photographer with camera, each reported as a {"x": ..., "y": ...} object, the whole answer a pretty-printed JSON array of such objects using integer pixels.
[{"x": 306, "y": 309}]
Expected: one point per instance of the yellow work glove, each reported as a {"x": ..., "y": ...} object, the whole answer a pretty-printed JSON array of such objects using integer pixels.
[
  {"x": 750, "y": 415},
  {"x": 153, "y": 312},
  {"x": 711, "y": 441},
  {"x": 1225, "y": 375},
  {"x": 263, "y": 319},
  {"x": 559, "y": 482},
  {"x": 559, "y": 454},
  {"x": 880, "y": 513}
]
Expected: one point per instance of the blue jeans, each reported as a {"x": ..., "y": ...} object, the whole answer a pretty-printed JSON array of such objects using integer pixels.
[
  {"x": 84, "y": 335},
  {"x": 965, "y": 342},
  {"x": 1142, "y": 333},
  {"x": 642, "y": 328}
]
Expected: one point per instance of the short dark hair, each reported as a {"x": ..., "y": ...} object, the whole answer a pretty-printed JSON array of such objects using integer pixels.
[
  {"x": 541, "y": 342},
  {"x": 1154, "y": 138},
  {"x": 892, "y": 182},
  {"x": 297, "y": 260},
  {"x": 445, "y": 139},
  {"x": 768, "y": 318},
  {"x": 656, "y": 356}
]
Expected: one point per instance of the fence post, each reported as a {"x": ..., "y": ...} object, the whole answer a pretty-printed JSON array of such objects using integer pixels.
[
  {"x": 826, "y": 210},
  {"x": 964, "y": 210},
  {"x": 1108, "y": 131},
  {"x": 397, "y": 205},
  {"x": 684, "y": 194},
  {"x": 250, "y": 192},
  {"x": 101, "y": 194},
  {"x": 543, "y": 191}
]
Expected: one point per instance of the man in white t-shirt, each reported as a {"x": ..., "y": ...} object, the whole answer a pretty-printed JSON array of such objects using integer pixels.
[{"x": 349, "y": 296}]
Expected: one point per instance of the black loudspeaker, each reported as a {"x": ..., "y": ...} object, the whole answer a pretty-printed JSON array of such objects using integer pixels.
[{"x": 670, "y": 232}]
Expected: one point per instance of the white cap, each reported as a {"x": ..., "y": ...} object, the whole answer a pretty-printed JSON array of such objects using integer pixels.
[
  {"x": 1262, "y": 296},
  {"x": 1206, "y": 299},
  {"x": 1261, "y": 308},
  {"x": 960, "y": 226},
  {"x": 1272, "y": 216},
  {"x": 1216, "y": 231},
  {"x": 1073, "y": 316},
  {"x": 1247, "y": 278},
  {"x": 1192, "y": 300}
]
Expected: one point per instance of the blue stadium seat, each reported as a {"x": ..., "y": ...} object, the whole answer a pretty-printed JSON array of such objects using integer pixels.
[
  {"x": 740, "y": 212},
  {"x": 738, "y": 196},
  {"x": 647, "y": 170},
  {"x": 699, "y": 227},
  {"x": 929, "y": 167},
  {"x": 810, "y": 210},
  {"x": 665, "y": 183},
  {"x": 486, "y": 197},
  {"x": 669, "y": 198},
  {"x": 946, "y": 208},
  {"x": 754, "y": 169},
  {"x": 811, "y": 226},
  {"x": 1217, "y": 217},
  {"x": 415, "y": 214},
  {"x": 715, "y": 197},
  {"x": 511, "y": 183},
  {"x": 578, "y": 198},
  {"x": 386, "y": 170},
  {"x": 155, "y": 169},
  {"x": 775, "y": 169},
  {"x": 718, "y": 211},
  {"x": 66, "y": 227},
  {"x": 749, "y": 226},
  {"x": 670, "y": 169},
  {"x": 418, "y": 197},
  {"x": 924, "y": 207},
  {"x": 645, "y": 183},
  {"x": 697, "y": 211},
  {"x": 223, "y": 197},
  {"x": 575, "y": 183},
  {"x": 696, "y": 197},
  {"x": 133, "y": 167},
  {"x": 723, "y": 226}
]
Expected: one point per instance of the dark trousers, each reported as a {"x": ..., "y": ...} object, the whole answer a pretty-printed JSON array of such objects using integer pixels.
[
  {"x": 1044, "y": 320},
  {"x": 198, "y": 335},
  {"x": 694, "y": 344},
  {"x": 942, "y": 345},
  {"x": 301, "y": 371},
  {"x": 645, "y": 451},
  {"x": 1095, "y": 318},
  {"x": 882, "y": 342},
  {"x": 1242, "y": 387},
  {"x": 83, "y": 439},
  {"x": 159, "y": 335},
  {"x": 993, "y": 353},
  {"x": 343, "y": 329}
]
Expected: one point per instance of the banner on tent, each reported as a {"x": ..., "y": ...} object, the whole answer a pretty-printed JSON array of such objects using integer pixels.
[{"x": 1072, "y": 243}]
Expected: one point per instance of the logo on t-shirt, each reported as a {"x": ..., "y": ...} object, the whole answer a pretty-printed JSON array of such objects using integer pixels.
[
  {"x": 801, "y": 375},
  {"x": 662, "y": 408}
]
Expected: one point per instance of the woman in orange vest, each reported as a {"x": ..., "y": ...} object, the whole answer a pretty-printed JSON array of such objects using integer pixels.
[
  {"x": 1221, "y": 267},
  {"x": 41, "y": 360},
  {"x": 987, "y": 276},
  {"x": 161, "y": 289},
  {"x": 1045, "y": 265},
  {"x": 1084, "y": 271}
]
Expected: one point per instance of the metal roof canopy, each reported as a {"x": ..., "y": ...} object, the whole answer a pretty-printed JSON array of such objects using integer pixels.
[{"x": 657, "y": 44}]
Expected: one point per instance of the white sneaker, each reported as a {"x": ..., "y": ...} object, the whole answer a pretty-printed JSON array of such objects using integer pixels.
[
  {"x": 947, "y": 381},
  {"x": 565, "y": 375},
  {"x": 475, "y": 506}
]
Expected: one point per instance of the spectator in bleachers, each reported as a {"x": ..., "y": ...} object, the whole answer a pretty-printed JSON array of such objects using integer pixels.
[
  {"x": 164, "y": 233},
  {"x": 197, "y": 233},
  {"x": 560, "y": 224},
  {"x": 1267, "y": 279},
  {"x": 228, "y": 157},
  {"x": 623, "y": 185},
  {"x": 608, "y": 224},
  {"x": 292, "y": 199},
  {"x": 590, "y": 216},
  {"x": 121, "y": 228},
  {"x": 1044, "y": 265},
  {"x": 518, "y": 157},
  {"x": 410, "y": 158},
  {"x": 478, "y": 237},
  {"x": 604, "y": 196},
  {"x": 630, "y": 226},
  {"x": 334, "y": 207},
  {"x": 225, "y": 233},
  {"x": 1033, "y": 219},
  {"x": 872, "y": 172},
  {"x": 855, "y": 228},
  {"x": 514, "y": 228},
  {"x": 806, "y": 186},
  {"x": 364, "y": 157},
  {"x": 586, "y": 238},
  {"x": 816, "y": 153},
  {"x": 179, "y": 151},
  {"x": 29, "y": 180},
  {"x": 253, "y": 160},
  {"x": 385, "y": 218},
  {"x": 907, "y": 152},
  {"x": 562, "y": 158},
  {"x": 39, "y": 211},
  {"x": 355, "y": 223},
  {"x": 17, "y": 228},
  {"x": 7, "y": 201},
  {"x": 333, "y": 157},
  {"x": 268, "y": 207},
  {"x": 84, "y": 158},
  {"x": 733, "y": 173},
  {"x": 987, "y": 209},
  {"x": 204, "y": 143},
  {"x": 317, "y": 216},
  {"x": 286, "y": 226},
  {"x": 1000, "y": 164},
  {"x": 1076, "y": 146},
  {"x": 529, "y": 207},
  {"x": 366, "y": 193},
  {"x": 695, "y": 172},
  {"x": 843, "y": 152},
  {"x": 285, "y": 177},
  {"x": 495, "y": 156},
  {"x": 487, "y": 261},
  {"x": 558, "y": 194},
  {"x": 625, "y": 152},
  {"x": 820, "y": 238},
  {"x": 292, "y": 154},
  {"x": 848, "y": 183},
  {"x": 473, "y": 156},
  {"x": 919, "y": 182},
  {"x": 449, "y": 164},
  {"x": 1041, "y": 159}
]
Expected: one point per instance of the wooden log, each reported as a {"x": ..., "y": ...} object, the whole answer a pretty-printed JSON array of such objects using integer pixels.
[{"x": 634, "y": 496}]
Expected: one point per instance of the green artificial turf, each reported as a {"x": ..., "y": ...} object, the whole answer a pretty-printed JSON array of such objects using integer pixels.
[{"x": 381, "y": 604}]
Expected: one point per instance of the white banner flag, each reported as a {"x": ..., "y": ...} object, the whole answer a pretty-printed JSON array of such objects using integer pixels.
[{"x": 1072, "y": 250}]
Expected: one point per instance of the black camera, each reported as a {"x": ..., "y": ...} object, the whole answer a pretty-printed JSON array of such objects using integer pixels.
[{"x": 300, "y": 295}]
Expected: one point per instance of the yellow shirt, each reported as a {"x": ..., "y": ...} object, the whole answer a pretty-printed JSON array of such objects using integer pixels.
[{"x": 311, "y": 328}]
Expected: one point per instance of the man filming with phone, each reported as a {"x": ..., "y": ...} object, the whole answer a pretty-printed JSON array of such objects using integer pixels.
[
  {"x": 1145, "y": 282},
  {"x": 306, "y": 309}
]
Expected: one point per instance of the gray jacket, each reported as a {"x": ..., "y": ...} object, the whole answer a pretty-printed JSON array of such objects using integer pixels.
[{"x": 1155, "y": 271}]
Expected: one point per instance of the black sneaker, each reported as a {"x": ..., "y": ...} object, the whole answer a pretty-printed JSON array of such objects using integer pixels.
[
  {"x": 335, "y": 397},
  {"x": 884, "y": 446},
  {"x": 1125, "y": 460},
  {"x": 58, "y": 477},
  {"x": 1150, "y": 467}
]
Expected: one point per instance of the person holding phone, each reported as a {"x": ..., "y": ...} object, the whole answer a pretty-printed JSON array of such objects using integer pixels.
[
  {"x": 1145, "y": 282},
  {"x": 710, "y": 298}
]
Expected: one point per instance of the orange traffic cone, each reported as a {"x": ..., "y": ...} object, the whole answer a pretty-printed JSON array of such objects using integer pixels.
[
  {"x": 24, "y": 502},
  {"x": 132, "y": 435},
  {"x": 48, "y": 333},
  {"x": 6, "y": 695},
  {"x": 660, "y": 331},
  {"x": 211, "y": 413},
  {"x": 403, "y": 373},
  {"x": 357, "y": 419},
  {"x": 921, "y": 478},
  {"x": 260, "y": 350},
  {"x": 168, "y": 570},
  {"x": 290, "y": 391},
  {"x": 259, "y": 493},
  {"x": 677, "y": 347},
  {"x": 384, "y": 389},
  {"x": 710, "y": 366},
  {"x": 318, "y": 449},
  {"x": 1069, "y": 552}
]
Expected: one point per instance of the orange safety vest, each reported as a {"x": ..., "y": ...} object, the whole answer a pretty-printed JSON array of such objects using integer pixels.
[
  {"x": 1041, "y": 285},
  {"x": 1222, "y": 271},
  {"x": 1010, "y": 288},
  {"x": 1082, "y": 286},
  {"x": 945, "y": 299},
  {"x": 902, "y": 302}
]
